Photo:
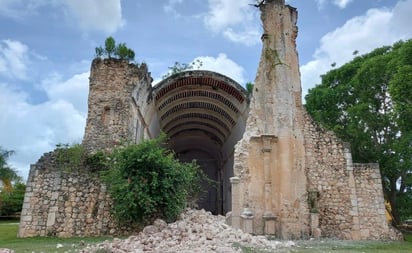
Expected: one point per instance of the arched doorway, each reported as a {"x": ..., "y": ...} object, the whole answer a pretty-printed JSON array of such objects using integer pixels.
[{"x": 204, "y": 114}]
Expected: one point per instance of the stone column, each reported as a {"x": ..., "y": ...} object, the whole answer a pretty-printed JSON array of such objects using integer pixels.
[
  {"x": 235, "y": 220},
  {"x": 268, "y": 216}
]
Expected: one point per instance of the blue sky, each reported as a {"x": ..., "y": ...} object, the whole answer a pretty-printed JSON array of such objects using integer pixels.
[{"x": 46, "y": 47}]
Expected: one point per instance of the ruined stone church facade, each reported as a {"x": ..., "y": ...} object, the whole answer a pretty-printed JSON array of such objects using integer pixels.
[{"x": 278, "y": 172}]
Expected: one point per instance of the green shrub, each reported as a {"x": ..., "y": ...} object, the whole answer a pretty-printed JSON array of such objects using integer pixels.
[
  {"x": 70, "y": 158},
  {"x": 11, "y": 202},
  {"x": 76, "y": 158},
  {"x": 146, "y": 182}
]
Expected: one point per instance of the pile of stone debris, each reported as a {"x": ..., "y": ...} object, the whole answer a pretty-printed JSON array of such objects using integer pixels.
[{"x": 195, "y": 231}]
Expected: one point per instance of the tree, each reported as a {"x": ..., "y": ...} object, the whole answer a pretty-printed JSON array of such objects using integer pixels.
[
  {"x": 11, "y": 202},
  {"x": 11, "y": 196},
  {"x": 367, "y": 102},
  {"x": 146, "y": 182},
  {"x": 249, "y": 88},
  {"x": 110, "y": 50},
  {"x": 109, "y": 46},
  {"x": 7, "y": 174},
  {"x": 123, "y": 52}
]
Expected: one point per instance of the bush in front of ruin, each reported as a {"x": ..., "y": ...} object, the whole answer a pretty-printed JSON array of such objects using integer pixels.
[{"x": 146, "y": 181}]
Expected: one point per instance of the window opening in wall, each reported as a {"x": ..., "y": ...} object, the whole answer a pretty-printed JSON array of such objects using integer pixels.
[{"x": 106, "y": 116}]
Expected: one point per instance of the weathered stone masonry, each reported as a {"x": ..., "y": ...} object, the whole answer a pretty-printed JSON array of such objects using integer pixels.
[
  {"x": 65, "y": 204},
  {"x": 286, "y": 176}
]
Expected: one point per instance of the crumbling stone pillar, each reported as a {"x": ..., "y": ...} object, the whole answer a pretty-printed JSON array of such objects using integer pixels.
[{"x": 272, "y": 173}]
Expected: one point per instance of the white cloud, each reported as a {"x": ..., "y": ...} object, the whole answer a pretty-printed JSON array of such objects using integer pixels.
[
  {"x": 170, "y": 7},
  {"x": 340, "y": 3},
  {"x": 221, "y": 64},
  {"x": 105, "y": 16},
  {"x": 31, "y": 129},
  {"x": 13, "y": 59},
  {"x": 99, "y": 15},
  {"x": 73, "y": 90},
  {"x": 377, "y": 28},
  {"x": 236, "y": 20},
  {"x": 19, "y": 9}
]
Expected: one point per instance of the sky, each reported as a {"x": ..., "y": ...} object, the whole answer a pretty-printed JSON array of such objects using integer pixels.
[{"x": 46, "y": 48}]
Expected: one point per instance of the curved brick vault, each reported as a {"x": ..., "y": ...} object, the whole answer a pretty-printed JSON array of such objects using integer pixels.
[
  {"x": 203, "y": 115},
  {"x": 202, "y": 101}
]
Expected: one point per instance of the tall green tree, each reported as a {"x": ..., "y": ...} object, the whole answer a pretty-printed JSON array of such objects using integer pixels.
[
  {"x": 367, "y": 102},
  {"x": 7, "y": 174}
]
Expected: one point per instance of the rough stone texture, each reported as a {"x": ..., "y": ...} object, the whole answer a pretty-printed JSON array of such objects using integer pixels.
[
  {"x": 291, "y": 178},
  {"x": 65, "y": 204},
  {"x": 287, "y": 168},
  {"x": 195, "y": 231},
  {"x": 270, "y": 159},
  {"x": 118, "y": 94}
]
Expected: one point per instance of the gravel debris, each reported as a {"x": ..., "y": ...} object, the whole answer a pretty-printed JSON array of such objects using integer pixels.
[{"x": 194, "y": 231}]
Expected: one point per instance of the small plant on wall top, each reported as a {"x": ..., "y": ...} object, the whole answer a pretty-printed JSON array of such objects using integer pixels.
[{"x": 111, "y": 50}]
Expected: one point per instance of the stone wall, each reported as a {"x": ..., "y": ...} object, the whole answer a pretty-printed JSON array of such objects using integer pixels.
[
  {"x": 372, "y": 217},
  {"x": 291, "y": 178},
  {"x": 328, "y": 178},
  {"x": 65, "y": 204},
  {"x": 349, "y": 197},
  {"x": 117, "y": 91}
]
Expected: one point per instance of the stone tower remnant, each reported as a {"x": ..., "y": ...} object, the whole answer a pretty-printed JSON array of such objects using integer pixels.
[
  {"x": 292, "y": 178},
  {"x": 278, "y": 172}
]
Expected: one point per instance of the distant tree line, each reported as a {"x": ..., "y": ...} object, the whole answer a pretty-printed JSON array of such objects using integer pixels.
[{"x": 11, "y": 188}]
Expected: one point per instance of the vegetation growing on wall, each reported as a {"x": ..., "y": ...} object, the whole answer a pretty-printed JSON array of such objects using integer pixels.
[
  {"x": 367, "y": 102},
  {"x": 146, "y": 182},
  {"x": 249, "y": 88},
  {"x": 111, "y": 50},
  {"x": 71, "y": 158},
  {"x": 180, "y": 67}
]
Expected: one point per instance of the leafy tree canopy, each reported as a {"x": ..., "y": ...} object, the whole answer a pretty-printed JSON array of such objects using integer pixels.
[
  {"x": 11, "y": 189},
  {"x": 7, "y": 174},
  {"x": 368, "y": 102}
]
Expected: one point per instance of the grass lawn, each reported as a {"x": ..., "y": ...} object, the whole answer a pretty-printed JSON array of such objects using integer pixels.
[{"x": 8, "y": 239}]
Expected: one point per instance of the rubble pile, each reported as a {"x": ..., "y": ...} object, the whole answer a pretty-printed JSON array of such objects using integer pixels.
[{"x": 195, "y": 231}]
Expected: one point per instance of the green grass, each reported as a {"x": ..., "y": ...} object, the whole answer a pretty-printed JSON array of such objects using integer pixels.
[
  {"x": 408, "y": 238},
  {"x": 8, "y": 239},
  {"x": 352, "y": 246}
]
